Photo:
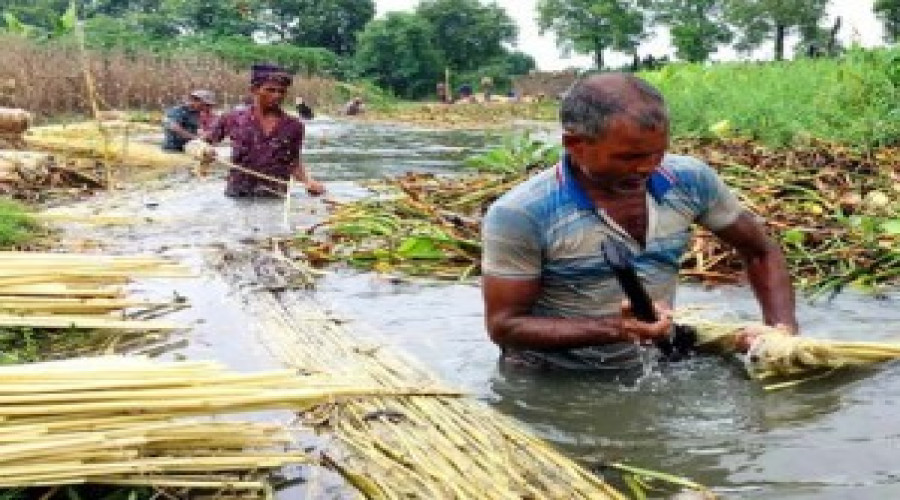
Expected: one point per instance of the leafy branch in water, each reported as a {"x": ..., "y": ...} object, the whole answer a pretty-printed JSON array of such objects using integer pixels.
[{"x": 517, "y": 155}]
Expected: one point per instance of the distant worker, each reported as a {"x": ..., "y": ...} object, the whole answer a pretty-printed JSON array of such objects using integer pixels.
[
  {"x": 182, "y": 123},
  {"x": 487, "y": 87},
  {"x": 442, "y": 94},
  {"x": 354, "y": 107},
  {"x": 303, "y": 110},
  {"x": 264, "y": 139},
  {"x": 465, "y": 93}
]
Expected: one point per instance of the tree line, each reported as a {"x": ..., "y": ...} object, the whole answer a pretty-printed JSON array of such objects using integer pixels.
[
  {"x": 698, "y": 28},
  {"x": 407, "y": 52}
]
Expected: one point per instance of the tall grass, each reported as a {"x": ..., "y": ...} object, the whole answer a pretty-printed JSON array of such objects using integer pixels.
[
  {"x": 852, "y": 100},
  {"x": 16, "y": 227},
  {"x": 47, "y": 79}
]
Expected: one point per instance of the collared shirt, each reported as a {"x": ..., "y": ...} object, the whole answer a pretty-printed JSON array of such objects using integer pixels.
[
  {"x": 549, "y": 229},
  {"x": 186, "y": 118},
  {"x": 274, "y": 154}
]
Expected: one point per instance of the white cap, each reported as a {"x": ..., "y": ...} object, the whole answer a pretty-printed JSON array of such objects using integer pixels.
[{"x": 205, "y": 96}]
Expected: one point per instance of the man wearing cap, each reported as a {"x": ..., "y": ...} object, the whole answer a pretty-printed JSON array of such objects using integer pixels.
[
  {"x": 182, "y": 122},
  {"x": 264, "y": 139}
]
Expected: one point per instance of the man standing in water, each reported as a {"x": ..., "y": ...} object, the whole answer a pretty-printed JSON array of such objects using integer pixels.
[
  {"x": 183, "y": 122},
  {"x": 264, "y": 139},
  {"x": 551, "y": 299}
]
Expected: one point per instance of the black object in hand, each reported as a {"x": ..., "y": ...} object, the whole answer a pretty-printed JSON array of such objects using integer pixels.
[{"x": 621, "y": 261}]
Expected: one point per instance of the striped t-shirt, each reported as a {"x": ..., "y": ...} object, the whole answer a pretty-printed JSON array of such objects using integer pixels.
[{"x": 548, "y": 228}]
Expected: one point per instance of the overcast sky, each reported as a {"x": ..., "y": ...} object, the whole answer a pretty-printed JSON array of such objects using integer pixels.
[{"x": 859, "y": 24}]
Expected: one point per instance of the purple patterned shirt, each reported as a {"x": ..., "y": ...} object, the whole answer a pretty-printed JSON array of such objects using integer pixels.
[{"x": 274, "y": 155}]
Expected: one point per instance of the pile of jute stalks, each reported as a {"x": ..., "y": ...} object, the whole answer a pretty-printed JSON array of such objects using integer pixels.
[
  {"x": 56, "y": 290},
  {"x": 53, "y": 299},
  {"x": 113, "y": 142},
  {"x": 119, "y": 421}
]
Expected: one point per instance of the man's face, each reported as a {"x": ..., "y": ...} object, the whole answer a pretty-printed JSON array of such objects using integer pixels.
[
  {"x": 269, "y": 95},
  {"x": 623, "y": 158}
]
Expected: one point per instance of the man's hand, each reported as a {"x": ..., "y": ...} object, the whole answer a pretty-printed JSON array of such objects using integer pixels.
[
  {"x": 200, "y": 150},
  {"x": 644, "y": 333},
  {"x": 748, "y": 335},
  {"x": 315, "y": 188}
]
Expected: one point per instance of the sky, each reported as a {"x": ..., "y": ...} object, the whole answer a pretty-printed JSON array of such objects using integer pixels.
[{"x": 858, "y": 24}]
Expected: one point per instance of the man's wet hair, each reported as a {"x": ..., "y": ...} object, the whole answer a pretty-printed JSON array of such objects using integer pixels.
[{"x": 591, "y": 103}]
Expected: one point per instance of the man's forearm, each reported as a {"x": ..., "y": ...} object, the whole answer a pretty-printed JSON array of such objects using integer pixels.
[
  {"x": 298, "y": 172},
  {"x": 772, "y": 286},
  {"x": 557, "y": 333}
]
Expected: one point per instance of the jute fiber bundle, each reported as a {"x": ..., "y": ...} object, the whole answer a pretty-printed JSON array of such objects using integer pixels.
[{"x": 776, "y": 355}]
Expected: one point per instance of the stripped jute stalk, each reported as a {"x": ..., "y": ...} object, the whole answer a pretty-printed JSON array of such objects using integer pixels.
[
  {"x": 117, "y": 420},
  {"x": 412, "y": 446}
]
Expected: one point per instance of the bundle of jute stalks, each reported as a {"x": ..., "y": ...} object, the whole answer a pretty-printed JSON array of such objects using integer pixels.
[
  {"x": 57, "y": 290},
  {"x": 773, "y": 354},
  {"x": 120, "y": 420},
  {"x": 13, "y": 124}
]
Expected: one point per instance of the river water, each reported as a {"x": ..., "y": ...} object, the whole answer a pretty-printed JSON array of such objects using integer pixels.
[{"x": 836, "y": 438}]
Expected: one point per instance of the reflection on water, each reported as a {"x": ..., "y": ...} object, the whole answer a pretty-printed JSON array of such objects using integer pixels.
[{"x": 836, "y": 438}]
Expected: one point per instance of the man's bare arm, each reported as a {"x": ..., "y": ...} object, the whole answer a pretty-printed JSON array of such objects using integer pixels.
[
  {"x": 766, "y": 270},
  {"x": 508, "y": 304},
  {"x": 180, "y": 131}
]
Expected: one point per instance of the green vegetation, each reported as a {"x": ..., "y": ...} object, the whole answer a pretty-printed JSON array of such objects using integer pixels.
[
  {"x": 888, "y": 11},
  {"x": 853, "y": 100},
  {"x": 17, "y": 228}
]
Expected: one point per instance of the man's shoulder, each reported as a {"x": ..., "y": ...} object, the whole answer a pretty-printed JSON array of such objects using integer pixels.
[
  {"x": 687, "y": 169},
  {"x": 178, "y": 110},
  {"x": 537, "y": 186}
]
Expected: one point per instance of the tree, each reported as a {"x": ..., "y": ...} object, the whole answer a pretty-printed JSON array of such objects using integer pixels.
[
  {"x": 214, "y": 17},
  {"x": 333, "y": 25},
  {"x": 888, "y": 12},
  {"x": 593, "y": 26},
  {"x": 120, "y": 7},
  {"x": 467, "y": 32},
  {"x": 762, "y": 20},
  {"x": 697, "y": 27},
  {"x": 42, "y": 14},
  {"x": 398, "y": 53}
]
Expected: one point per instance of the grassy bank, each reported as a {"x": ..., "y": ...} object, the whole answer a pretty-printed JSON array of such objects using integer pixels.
[
  {"x": 17, "y": 228},
  {"x": 854, "y": 100}
]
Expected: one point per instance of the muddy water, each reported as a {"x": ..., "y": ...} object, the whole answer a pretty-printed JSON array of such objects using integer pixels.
[{"x": 837, "y": 438}]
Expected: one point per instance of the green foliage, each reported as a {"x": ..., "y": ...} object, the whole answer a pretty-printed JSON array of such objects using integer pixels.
[
  {"x": 697, "y": 27},
  {"x": 888, "y": 12},
  {"x": 593, "y": 26},
  {"x": 242, "y": 52},
  {"x": 758, "y": 21},
  {"x": 313, "y": 23},
  {"x": 852, "y": 100},
  {"x": 214, "y": 17},
  {"x": 468, "y": 32},
  {"x": 49, "y": 24},
  {"x": 16, "y": 226},
  {"x": 398, "y": 53},
  {"x": 517, "y": 155}
]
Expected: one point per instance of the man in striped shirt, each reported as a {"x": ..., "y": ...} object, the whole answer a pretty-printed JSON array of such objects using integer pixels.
[{"x": 551, "y": 299}]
